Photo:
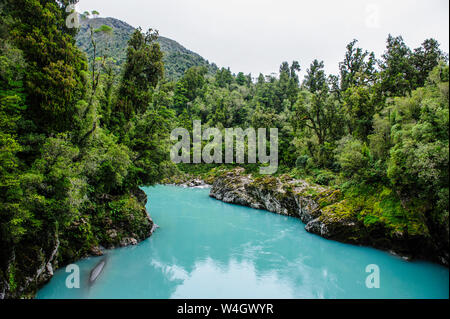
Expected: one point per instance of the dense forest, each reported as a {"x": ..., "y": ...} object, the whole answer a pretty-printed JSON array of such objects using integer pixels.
[
  {"x": 72, "y": 155},
  {"x": 177, "y": 59},
  {"x": 79, "y": 138}
]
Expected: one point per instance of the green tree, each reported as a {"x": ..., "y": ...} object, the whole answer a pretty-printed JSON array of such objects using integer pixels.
[
  {"x": 359, "y": 106},
  {"x": 241, "y": 79},
  {"x": 397, "y": 77},
  {"x": 419, "y": 157},
  {"x": 358, "y": 67},
  {"x": 315, "y": 78},
  {"x": 425, "y": 59},
  {"x": 194, "y": 82},
  {"x": 148, "y": 138},
  {"x": 224, "y": 77},
  {"x": 289, "y": 81},
  {"x": 142, "y": 71},
  {"x": 354, "y": 158},
  {"x": 55, "y": 77},
  {"x": 180, "y": 98}
]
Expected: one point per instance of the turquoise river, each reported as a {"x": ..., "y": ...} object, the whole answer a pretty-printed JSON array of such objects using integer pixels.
[{"x": 208, "y": 249}]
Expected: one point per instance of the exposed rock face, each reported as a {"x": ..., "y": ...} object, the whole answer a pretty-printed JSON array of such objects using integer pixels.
[
  {"x": 128, "y": 241},
  {"x": 268, "y": 193},
  {"x": 297, "y": 198},
  {"x": 40, "y": 266},
  {"x": 186, "y": 181},
  {"x": 194, "y": 183},
  {"x": 32, "y": 265}
]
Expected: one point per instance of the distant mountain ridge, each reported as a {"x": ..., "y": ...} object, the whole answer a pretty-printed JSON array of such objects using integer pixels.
[{"x": 177, "y": 58}]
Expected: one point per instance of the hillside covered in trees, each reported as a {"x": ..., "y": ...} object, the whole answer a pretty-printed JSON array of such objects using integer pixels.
[
  {"x": 177, "y": 59},
  {"x": 79, "y": 137}
]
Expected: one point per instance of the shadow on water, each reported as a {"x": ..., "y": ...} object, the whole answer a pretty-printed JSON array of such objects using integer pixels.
[
  {"x": 92, "y": 276},
  {"x": 97, "y": 271}
]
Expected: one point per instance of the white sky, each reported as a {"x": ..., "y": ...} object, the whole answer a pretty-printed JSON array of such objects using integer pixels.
[{"x": 257, "y": 35}]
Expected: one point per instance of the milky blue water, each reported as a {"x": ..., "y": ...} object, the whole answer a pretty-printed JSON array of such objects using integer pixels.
[{"x": 208, "y": 249}]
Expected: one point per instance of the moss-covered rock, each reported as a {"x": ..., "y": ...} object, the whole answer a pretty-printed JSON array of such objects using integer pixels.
[
  {"x": 372, "y": 217},
  {"x": 112, "y": 222}
]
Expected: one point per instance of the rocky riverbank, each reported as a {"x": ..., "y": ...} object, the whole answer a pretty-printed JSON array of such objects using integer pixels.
[
  {"x": 325, "y": 212},
  {"x": 190, "y": 181},
  {"x": 33, "y": 264}
]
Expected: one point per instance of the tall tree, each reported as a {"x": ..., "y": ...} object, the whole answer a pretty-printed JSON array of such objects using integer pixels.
[
  {"x": 54, "y": 79},
  {"x": 241, "y": 78},
  {"x": 289, "y": 81},
  {"x": 359, "y": 105},
  {"x": 224, "y": 77},
  {"x": 425, "y": 59},
  {"x": 143, "y": 70},
  {"x": 318, "y": 115},
  {"x": 397, "y": 73},
  {"x": 358, "y": 67},
  {"x": 315, "y": 78}
]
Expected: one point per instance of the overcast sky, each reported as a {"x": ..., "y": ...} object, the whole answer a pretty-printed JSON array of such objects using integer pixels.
[{"x": 255, "y": 36}]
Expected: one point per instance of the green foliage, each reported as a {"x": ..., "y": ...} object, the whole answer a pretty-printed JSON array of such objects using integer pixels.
[
  {"x": 397, "y": 73},
  {"x": 142, "y": 72},
  {"x": 317, "y": 116},
  {"x": 403, "y": 70},
  {"x": 104, "y": 29},
  {"x": 224, "y": 78},
  {"x": 55, "y": 76},
  {"x": 425, "y": 59},
  {"x": 148, "y": 139},
  {"x": 177, "y": 59},
  {"x": 325, "y": 178},
  {"x": 73, "y": 152},
  {"x": 419, "y": 157},
  {"x": 353, "y": 156},
  {"x": 63, "y": 167},
  {"x": 359, "y": 107},
  {"x": 358, "y": 67},
  {"x": 301, "y": 162},
  {"x": 114, "y": 164}
]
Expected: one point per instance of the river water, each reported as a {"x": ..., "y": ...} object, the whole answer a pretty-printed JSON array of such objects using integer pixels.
[{"x": 208, "y": 249}]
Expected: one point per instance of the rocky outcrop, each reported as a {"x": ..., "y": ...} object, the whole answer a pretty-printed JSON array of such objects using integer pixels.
[
  {"x": 40, "y": 265},
  {"x": 323, "y": 211},
  {"x": 29, "y": 266},
  {"x": 187, "y": 181},
  {"x": 194, "y": 183},
  {"x": 287, "y": 197}
]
